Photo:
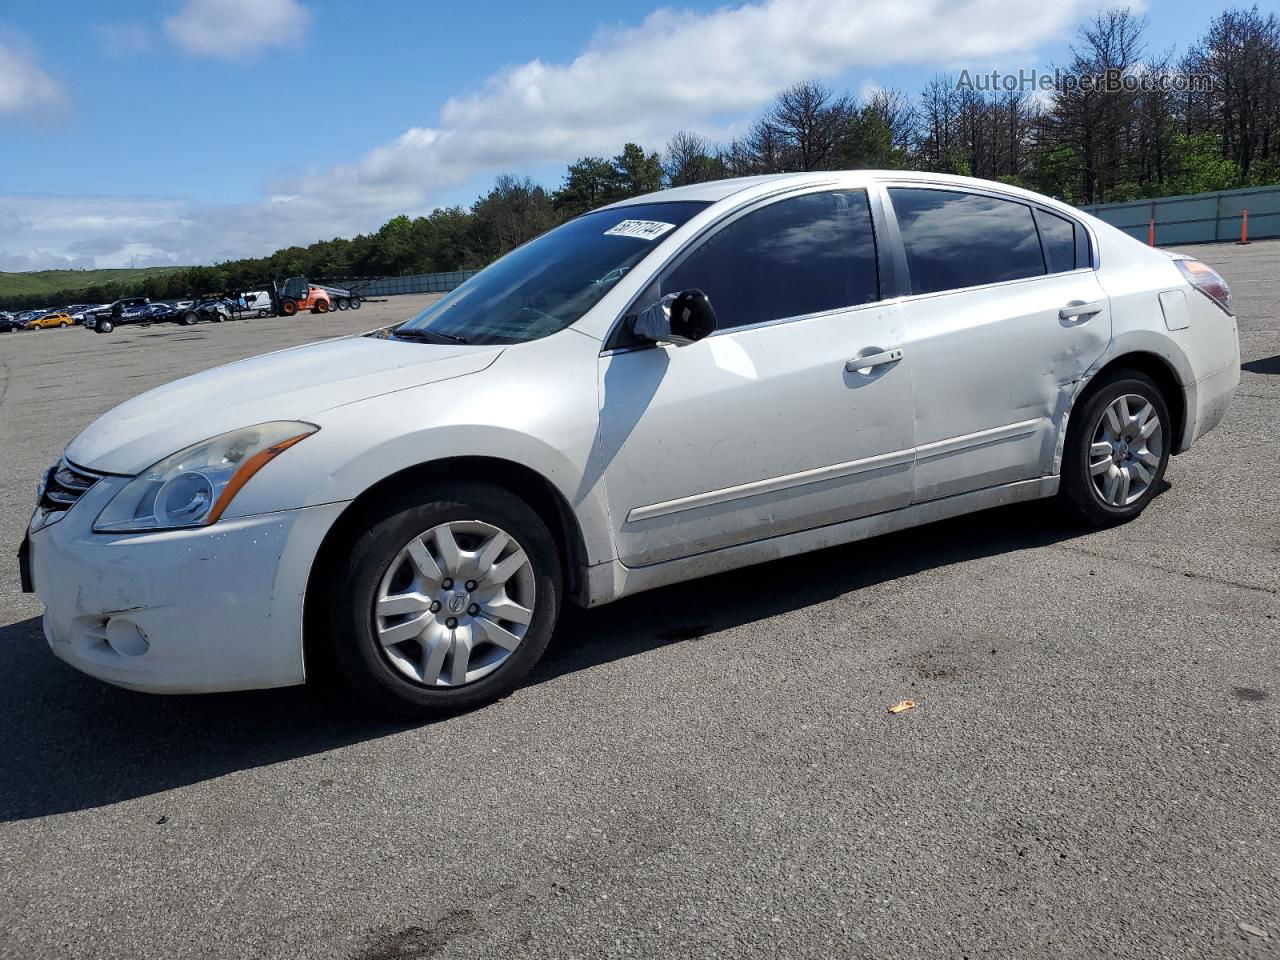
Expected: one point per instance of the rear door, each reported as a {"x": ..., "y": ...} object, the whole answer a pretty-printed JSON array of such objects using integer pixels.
[
  {"x": 1005, "y": 312},
  {"x": 763, "y": 428}
]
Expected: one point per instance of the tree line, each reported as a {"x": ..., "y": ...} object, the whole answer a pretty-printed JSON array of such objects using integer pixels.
[{"x": 1081, "y": 142}]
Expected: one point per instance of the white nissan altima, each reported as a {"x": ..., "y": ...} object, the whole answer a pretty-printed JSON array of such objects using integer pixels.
[{"x": 673, "y": 386}]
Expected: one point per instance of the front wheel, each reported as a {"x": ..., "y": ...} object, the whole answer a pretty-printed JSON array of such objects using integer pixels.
[
  {"x": 444, "y": 605},
  {"x": 104, "y": 326},
  {"x": 288, "y": 307},
  {"x": 1117, "y": 449},
  {"x": 190, "y": 318}
]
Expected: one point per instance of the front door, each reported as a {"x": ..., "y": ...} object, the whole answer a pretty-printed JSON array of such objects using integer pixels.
[{"x": 771, "y": 425}]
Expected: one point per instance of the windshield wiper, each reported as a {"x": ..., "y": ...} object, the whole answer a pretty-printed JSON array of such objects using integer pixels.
[{"x": 429, "y": 336}]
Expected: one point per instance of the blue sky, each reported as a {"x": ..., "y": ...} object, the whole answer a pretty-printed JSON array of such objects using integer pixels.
[{"x": 194, "y": 130}]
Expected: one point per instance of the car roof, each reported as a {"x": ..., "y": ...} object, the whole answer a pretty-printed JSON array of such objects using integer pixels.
[{"x": 750, "y": 187}]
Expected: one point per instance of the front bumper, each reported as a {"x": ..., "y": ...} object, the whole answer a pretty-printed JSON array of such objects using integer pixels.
[{"x": 181, "y": 611}]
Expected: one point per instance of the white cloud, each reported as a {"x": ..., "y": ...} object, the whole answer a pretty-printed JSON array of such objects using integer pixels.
[
  {"x": 234, "y": 29},
  {"x": 674, "y": 70},
  {"x": 678, "y": 69},
  {"x": 25, "y": 88},
  {"x": 123, "y": 39}
]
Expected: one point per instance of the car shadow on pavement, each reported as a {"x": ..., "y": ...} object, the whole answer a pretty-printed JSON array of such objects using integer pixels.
[
  {"x": 1264, "y": 365},
  {"x": 68, "y": 742}
]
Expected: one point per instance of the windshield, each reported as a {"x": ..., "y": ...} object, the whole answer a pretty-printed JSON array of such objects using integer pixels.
[{"x": 549, "y": 283}]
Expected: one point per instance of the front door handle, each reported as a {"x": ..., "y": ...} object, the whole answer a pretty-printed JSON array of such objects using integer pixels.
[
  {"x": 864, "y": 364},
  {"x": 1076, "y": 310}
]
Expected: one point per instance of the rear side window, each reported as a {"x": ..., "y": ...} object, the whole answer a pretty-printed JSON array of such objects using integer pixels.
[
  {"x": 956, "y": 240},
  {"x": 799, "y": 256},
  {"x": 1058, "y": 234}
]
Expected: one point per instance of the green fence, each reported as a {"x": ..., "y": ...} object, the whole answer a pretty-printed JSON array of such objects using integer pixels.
[
  {"x": 1198, "y": 217},
  {"x": 414, "y": 283}
]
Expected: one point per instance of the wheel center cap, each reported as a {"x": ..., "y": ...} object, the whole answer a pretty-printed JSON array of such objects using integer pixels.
[{"x": 457, "y": 603}]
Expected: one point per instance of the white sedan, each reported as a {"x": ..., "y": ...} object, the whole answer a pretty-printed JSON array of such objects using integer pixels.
[{"x": 673, "y": 386}]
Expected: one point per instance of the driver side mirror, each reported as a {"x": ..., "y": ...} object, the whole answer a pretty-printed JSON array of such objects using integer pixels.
[{"x": 681, "y": 318}]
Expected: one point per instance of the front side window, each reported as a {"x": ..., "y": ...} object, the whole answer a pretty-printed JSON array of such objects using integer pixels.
[
  {"x": 956, "y": 240},
  {"x": 551, "y": 282},
  {"x": 804, "y": 255}
]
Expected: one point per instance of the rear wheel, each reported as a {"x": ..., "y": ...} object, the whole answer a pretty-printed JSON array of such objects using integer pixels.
[
  {"x": 355, "y": 303},
  {"x": 1117, "y": 448},
  {"x": 342, "y": 303},
  {"x": 288, "y": 307},
  {"x": 189, "y": 318},
  {"x": 445, "y": 605}
]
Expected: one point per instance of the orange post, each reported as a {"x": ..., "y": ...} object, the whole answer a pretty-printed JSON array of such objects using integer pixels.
[
  {"x": 1244, "y": 228},
  {"x": 1151, "y": 232}
]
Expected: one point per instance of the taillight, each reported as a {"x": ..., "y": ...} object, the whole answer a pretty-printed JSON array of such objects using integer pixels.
[{"x": 1207, "y": 280}]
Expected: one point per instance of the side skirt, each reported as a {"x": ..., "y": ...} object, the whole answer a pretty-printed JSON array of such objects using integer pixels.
[{"x": 606, "y": 582}]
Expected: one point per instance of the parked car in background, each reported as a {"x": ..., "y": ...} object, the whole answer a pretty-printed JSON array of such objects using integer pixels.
[
  {"x": 257, "y": 302},
  {"x": 9, "y": 323},
  {"x": 127, "y": 310},
  {"x": 214, "y": 310},
  {"x": 49, "y": 320},
  {"x": 774, "y": 365},
  {"x": 79, "y": 311}
]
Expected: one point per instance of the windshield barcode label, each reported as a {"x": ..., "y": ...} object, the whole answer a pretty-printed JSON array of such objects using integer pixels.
[{"x": 644, "y": 229}]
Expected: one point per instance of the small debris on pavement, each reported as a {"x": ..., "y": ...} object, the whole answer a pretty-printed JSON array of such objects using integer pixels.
[
  {"x": 1253, "y": 931},
  {"x": 901, "y": 706}
]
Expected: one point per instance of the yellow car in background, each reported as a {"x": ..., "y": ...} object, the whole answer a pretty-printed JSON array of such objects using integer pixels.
[{"x": 50, "y": 320}]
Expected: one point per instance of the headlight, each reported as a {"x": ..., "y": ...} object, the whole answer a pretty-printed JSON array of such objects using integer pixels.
[{"x": 193, "y": 487}]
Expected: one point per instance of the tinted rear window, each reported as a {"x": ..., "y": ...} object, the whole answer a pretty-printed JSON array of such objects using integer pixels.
[{"x": 955, "y": 239}]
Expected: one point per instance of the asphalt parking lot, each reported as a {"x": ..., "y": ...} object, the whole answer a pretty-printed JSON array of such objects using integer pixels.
[{"x": 1093, "y": 768}]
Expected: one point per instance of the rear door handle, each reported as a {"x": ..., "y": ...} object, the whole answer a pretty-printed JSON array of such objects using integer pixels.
[
  {"x": 1081, "y": 311},
  {"x": 860, "y": 364}
]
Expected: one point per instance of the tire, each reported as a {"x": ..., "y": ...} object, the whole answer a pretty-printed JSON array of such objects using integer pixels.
[
  {"x": 322, "y": 306},
  {"x": 342, "y": 303},
  {"x": 1103, "y": 487},
  {"x": 190, "y": 318},
  {"x": 392, "y": 676},
  {"x": 355, "y": 303},
  {"x": 288, "y": 307},
  {"x": 104, "y": 326},
  {"x": 263, "y": 314},
  {"x": 63, "y": 325}
]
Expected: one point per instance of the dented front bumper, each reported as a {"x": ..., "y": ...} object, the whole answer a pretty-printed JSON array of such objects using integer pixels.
[{"x": 179, "y": 611}]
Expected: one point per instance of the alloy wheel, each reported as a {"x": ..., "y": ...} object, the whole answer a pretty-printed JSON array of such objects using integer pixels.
[{"x": 1125, "y": 454}]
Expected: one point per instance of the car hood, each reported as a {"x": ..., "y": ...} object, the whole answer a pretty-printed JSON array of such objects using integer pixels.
[{"x": 291, "y": 384}]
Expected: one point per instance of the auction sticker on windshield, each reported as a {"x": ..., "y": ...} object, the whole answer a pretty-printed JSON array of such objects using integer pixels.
[{"x": 644, "y": 229}]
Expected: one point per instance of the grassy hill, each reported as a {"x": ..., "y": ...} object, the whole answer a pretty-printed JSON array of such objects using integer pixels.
[{"x": 51, "y": 281}]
